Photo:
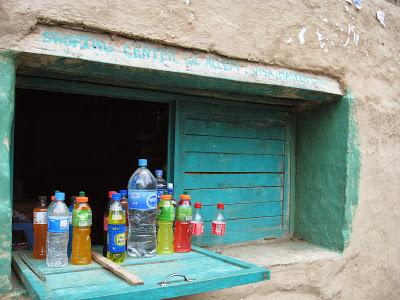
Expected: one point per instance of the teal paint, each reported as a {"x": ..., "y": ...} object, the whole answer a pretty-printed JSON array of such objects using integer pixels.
[
  {"x": 96, "y": 282},
  {"x": 236, "y": 154},
  {"x": 327, "y": 173},
  {"x": 7, "y": 98}
]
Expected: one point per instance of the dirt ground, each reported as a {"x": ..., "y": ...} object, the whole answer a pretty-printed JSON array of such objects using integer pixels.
[{"x": 329, "y": 37}]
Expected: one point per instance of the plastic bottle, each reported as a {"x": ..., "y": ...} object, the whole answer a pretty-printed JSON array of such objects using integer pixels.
[
  {"x": 142, "y": 198},
  {"x": 57, "y": 232},
  {"x": 182, "y": 235},
  {"x": 170, "y": 189},
  {"x": 161, "y": 184},
  {"x": 81, "y": 243},
  {"x": 40, "y": 229},
  {"x": 105, "y": 223},
  {"x": 218, "y": 227},
  {"x": 197, "y": 225},
  {"x": 70, "y": 208},
  {"x": 165, "y": 220},
  {"x": 116, "y": 230}
]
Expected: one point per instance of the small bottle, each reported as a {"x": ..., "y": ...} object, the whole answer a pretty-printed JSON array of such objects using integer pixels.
[
  {"x": 105, "y": 222},
  {"x": 182, "y": 235},
  {"x": 197, "y": 225},
  {"x": 81, "y": 243},
  {"x": 165, "y": 220},
  {"x": 116, "y": 238},
  {"x": 70, "y": 208},
  {"x": 170, "y": 189},
  {"x": 161, "y": 184},
  {"x": 218, "y": 227},
  {"x": 40, "y": 229},
  {"x": 57, "y": 233}
]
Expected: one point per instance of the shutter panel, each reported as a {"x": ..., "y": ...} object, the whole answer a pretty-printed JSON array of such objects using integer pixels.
[{"x": 234, "y": 153}]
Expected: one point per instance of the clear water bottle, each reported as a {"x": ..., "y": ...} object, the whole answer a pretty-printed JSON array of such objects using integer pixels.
[
  {"x": 57, "y": 232},
  {"x": 142, "y": 202},
  {"x": 161, "y": 184}
]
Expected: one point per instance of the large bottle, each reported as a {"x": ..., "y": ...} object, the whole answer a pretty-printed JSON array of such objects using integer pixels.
[
  {"x": 40, "y": 229},
  {"x": 142, "y": 198},
  {"x": 81, "y": 243},
  {"x": 161, "y": 184},
  {"x": 116, "y": 239},
  {"x": 57, "y": 232},
  {"x": 165, "y": 220},
  {"x": 105, "y": 223}
]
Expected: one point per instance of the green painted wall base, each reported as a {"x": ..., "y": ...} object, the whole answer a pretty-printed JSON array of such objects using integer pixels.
[
  {"x": 327, "y": 173},
  {"x": 7, "y": 90}
]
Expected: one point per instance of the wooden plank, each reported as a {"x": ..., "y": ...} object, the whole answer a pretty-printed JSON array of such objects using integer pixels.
[
  {"x": 117, "y": 269},
  {"x": 236, "y": 195},
  {"x": 202, "y": 125},
  {"x": 245, "y": 210},
  {"x": 207, "y": 143},
  {"x": 226, "y": 162},
  {"x": 196, "y": 181}
]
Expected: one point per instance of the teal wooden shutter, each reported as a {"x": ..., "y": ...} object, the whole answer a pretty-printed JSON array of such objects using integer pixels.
[{"x": 237, "y": 154}]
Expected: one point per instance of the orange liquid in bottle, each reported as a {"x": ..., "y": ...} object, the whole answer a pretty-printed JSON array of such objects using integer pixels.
[
  {"x": 40, "y": 229},
  {"x": 81, "y": 243}
]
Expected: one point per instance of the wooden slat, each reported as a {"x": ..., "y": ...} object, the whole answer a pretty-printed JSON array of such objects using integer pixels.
[
  {"x": 233, "y": 128},
  {"x": 195, "y": 181},
  {"x": 236, "y": 195},
  {"x": 248, "y": 210},
  {"x": 204, "y": 143},
  {"x": 221, "y": 162}
]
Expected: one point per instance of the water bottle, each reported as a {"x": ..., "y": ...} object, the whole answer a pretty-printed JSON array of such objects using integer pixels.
[
  {"x": 197, "y": 225},
  {"x": 161, "y": 184},
  {"x": 142, "y": 202},
  {"x": 57, "y": 232}
]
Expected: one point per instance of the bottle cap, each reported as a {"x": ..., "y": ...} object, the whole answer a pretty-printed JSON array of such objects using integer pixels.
[
  {"x": 220, "y": 206},
  {"x": 52, "y": 198},
  {"x": 159, "y": 173},
  {"x": 166, "y": 197},
  {"x": 185, "y": 197},
  {"x": 82, "y": 199},
  {"x": 170, "y": 186},
  {"x": 197, "y": 205},
  {"x": 142, "y": 162},
  {"x": 116, "y": 196},
  {"x": 82, "y": 194},
  {"x": 59, "y": 196},
  {"x": 123, "y": 193},
  {"x": 110, "y": 194}
]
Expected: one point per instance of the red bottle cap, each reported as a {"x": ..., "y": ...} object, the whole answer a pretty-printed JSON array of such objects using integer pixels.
[
  {"x": 110, "y": 194},
  {"x": 220, "y": 206},
  {"x": 197, "y": 205}
]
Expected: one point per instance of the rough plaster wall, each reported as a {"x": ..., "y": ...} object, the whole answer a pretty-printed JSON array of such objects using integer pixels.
[{"x": 339, "y": 41}]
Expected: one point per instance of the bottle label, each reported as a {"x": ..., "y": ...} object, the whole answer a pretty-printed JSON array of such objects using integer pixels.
[
  {"x": 116, "y": 238},
  {"x": 160, "y": 192},
  {"x": 142, "y": 200},
  {"x": 105, "y": 223},
  {"x": 40, "y": 217},
  {"x": 82, "y": 218},
  {"x": 58, "y": 224},
  {"x": 218, "y": 228},
  {"x": 197, "y": 228}
]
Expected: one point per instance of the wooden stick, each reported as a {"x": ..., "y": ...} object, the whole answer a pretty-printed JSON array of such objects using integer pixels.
[{"x": 117, "y": 269}]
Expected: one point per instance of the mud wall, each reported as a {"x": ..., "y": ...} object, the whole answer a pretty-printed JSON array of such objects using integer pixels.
[{"x": 324, "y": 37}]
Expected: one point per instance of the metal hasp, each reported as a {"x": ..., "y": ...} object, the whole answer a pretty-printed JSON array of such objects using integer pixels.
[{"x": 165, "y": 281}]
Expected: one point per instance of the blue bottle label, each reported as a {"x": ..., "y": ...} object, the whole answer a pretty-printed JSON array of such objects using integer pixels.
[
  {"x": 142, "y": 200},
  {"x": 116, "y": 238},
  {"x": 58, "y": 224},
  {"x": 160, "y": 192}
]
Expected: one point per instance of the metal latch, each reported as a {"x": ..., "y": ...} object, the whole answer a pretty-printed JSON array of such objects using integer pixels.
[{"x": 165, "y": 281}]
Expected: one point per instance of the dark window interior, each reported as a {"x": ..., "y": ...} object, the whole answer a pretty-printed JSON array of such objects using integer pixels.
[{"x": 72, "y": 142}]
